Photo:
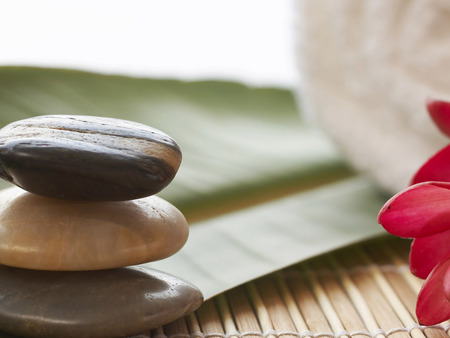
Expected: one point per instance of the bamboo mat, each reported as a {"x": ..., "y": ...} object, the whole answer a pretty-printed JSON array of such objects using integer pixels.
[{"x": 361, "y": 291}]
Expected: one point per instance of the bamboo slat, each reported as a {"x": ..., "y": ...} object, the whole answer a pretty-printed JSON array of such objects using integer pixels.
[{"x": 361, "y": 291}]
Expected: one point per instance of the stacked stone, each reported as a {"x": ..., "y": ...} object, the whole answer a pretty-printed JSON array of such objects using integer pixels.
[{"x": 81, "y": 218}]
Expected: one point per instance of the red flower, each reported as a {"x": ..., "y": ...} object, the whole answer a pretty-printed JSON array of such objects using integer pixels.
[{"x": 422, "y": 212}]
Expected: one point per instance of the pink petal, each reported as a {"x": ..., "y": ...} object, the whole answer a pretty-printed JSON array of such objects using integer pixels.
[
  {"x": 427, "y": 252},
  {"x": 440, "y": 113},
  {"x": 437, "y": 168},
  {"x": 418, "y": 211},
  {"x": 433, "y": 305}
]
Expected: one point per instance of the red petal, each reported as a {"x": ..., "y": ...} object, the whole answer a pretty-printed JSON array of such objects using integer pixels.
[
  {"x": 418, "y": 211},
  {"x": 440, "y": 113},
  {"x": 447, "y": 283},
  {"x": 433, "y": 305},
  {"x": 437, "y": 168},
  {"x": 427, "y": 252}
]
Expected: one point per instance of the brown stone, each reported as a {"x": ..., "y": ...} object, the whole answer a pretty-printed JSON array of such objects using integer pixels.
[
  {"x": 107, "y": 303},
  {"x": 87, "y": 158},
  {"x": 48, "y": 234}
]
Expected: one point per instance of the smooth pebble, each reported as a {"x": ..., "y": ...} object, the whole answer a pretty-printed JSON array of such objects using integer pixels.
[
  {"x": 48, "y": 234},
  {"x": 107, "y": 303},
  {"x": 87, "y": 157}
]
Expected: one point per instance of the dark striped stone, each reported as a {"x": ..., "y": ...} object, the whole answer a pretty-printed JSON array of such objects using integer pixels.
[{"x": 87, "y": 158}]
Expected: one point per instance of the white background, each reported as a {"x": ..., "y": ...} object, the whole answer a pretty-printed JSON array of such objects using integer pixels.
[{"x": 251, "y": 41}]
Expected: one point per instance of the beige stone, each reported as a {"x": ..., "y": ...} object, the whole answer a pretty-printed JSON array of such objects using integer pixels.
[{"x": 48, "y": 234}]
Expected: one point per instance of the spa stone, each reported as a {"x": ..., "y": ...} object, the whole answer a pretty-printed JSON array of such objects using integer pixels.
[
  {"x": 48, "y": 234},
  {"x": 107, "y": 303},
  {"x": 87, "y": 158}
]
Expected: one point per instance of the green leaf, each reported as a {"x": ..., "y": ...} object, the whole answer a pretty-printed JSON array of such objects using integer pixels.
[
  {"x": 236, "y": 141},
  {"x": 243, "y": 150},
  {"x": 232, "y": 249}
]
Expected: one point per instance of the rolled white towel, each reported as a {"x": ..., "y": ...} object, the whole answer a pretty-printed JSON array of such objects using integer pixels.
[{"x": 367, "y": 69}]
